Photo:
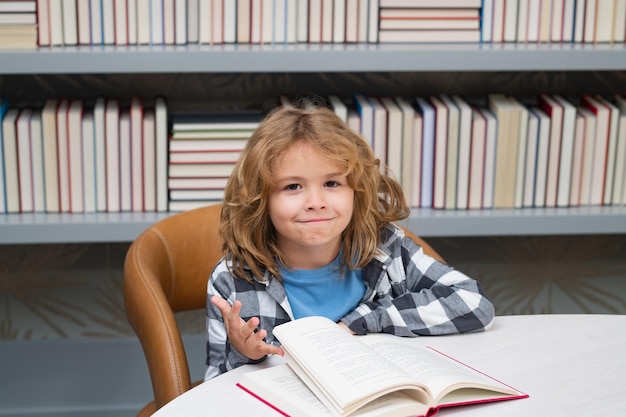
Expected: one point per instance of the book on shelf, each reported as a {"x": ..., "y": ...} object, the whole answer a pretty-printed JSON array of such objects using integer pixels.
[
  {"x": 619, "y": 23},
  {"x": 589, "y": 122},
  {"x": 238, "y": 121},
  {"x": 120, "y": 16},
  {"x": 521, "y": 155},
  {"x": 533, "y": 21},
  {"x": 131, "y": 14},
  {"x": 497, "y": 30},
  {"x": 510, "y": 21},
  {"x": 196, "y": 195},
  {"x": 486, "y": 21},
  {"x": 362, "y": 22},
  {"x": 545, "y": 13},
  {"x": 379, "y": 133},
  {"x": 36, "y": 147},
  {"x": 136, "y": 153},
  {"x": 477, "y": 160},
  {"x": 149, "y": 160},
  {"x": 96, "y": 21},
  {"x": 522, "y": 21},
  {"x": 319, "y": 379},
  {"x": 507, "y": 111},
  {"x": 43, "y": 23},
  {"x": 491, "y": 142},
  {"x": 108, "y": 22},
  {"x": 99, "y": 130},
  {"x": 180, "y": 22},
  {"x": 112, "y": 154},
  {"x": 543, "y": 151},
  {"x": 619, "y": 186},
  {"x": 589, "y": 31},
  {"x": 192, "y": 20},
  {"x": 410, "y": 151},
  {"x": 24, "y": 161},
  {"x": 609, "y": 178},
  {"x": 394, "y": 136},
  {"x": 339, "y": 107},
  {"x": 462, "y": 4},
  {"x": 327, "y": 21},
  {"x": 89, "y": 162},
  {"x": 156, "y": 22},
  {"x": 556, "y": 21},
  {"x": 452, "y": 152},
  {"x": 83, "y": 18},
  {"x": 440, "y": 152},
  {"x": 206, "y": 145},
  {"x": 126, "y": 190},
  {"x": 18, "y": 36},
  {"x": 568, "y": 20},
  {"x": 464, "y": 151},
  {"x": 200, "y": 170},
  {"x": 75, "y": 155},
  {"x": 366, "y": 113},
  {"x": 161, "y": 150},
  {"x": 11, "y": 169},
  {"x": 530, "y": 159},
  {"x": 143, "y": 22},
  {"x": 63, "y": 155},
  {"x": 169, "y": 22},
  {"x": 194, "y": 183},
  {"x": 427, "y": 111},
  {"x": 352, "y": 21},
  {"x": 568, "y": 132},
  {"x": 50, "y": 155},
  {"x": 339, "y": 22},
  {"x": 600, "y": 152},
  {"x": 604, "y": 21},
  {"x": 429, "y": 35},
  {"x": 207, "y": 157},
  {"x": 577, "y": 160}
]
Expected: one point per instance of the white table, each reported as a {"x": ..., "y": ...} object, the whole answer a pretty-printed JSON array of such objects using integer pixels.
[{"x": 570, "y": 365}]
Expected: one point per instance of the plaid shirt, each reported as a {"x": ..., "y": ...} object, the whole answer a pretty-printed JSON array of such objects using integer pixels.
[{"x": 407, "y": 294}]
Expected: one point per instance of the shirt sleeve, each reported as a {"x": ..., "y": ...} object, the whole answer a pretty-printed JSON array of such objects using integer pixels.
[
  {"x": 417, "y": 295},
  {"x": 221, "y": 355}
]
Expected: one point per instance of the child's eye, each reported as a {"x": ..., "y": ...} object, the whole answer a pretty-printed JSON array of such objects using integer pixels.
[
  {"x": 292, "y": 187},
  {"x": 332, "y": 184}
]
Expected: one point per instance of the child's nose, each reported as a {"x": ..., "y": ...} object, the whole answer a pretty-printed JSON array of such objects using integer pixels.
[{"x": 316, "y": 200}]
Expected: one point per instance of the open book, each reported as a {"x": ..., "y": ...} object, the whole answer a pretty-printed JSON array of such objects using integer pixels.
[{"x": 332, "y": 373}]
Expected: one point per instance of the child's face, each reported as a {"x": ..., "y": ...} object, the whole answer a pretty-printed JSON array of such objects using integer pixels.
[{"x": 312, "y": 204}]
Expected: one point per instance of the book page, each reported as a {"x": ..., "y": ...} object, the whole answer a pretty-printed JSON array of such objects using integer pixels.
[
  {"x": 282, "y": 389},
  {"x": 440, "y": 373},
  {"x": 345, "y": 370}
]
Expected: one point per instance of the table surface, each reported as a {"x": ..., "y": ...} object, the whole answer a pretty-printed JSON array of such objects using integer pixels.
[{"x": 570, "y": 365}]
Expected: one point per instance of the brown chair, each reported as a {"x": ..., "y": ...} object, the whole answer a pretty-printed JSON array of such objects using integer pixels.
[{"x": 166, "y": 270}]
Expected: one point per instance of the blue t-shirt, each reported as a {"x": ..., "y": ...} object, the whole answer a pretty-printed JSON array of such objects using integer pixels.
[{"x": 323, "y": 291}]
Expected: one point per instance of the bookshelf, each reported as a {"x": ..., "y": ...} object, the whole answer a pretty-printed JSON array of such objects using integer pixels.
[
  {"x": 322, "y": 58},
  {"x": 233, "y": 58}
]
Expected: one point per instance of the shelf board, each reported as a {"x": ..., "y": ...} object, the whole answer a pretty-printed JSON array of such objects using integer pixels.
[
  {"x": 531, "y": 221},
  {"x": 125, "y": 227},
  {"x": 74, "y": 228},
  {"x": 233, "y": 58}
]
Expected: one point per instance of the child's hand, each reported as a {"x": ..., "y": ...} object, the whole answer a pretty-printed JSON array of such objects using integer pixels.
[{"x": 241, "y": 334}]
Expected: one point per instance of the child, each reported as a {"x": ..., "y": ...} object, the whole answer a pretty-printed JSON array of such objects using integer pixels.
[{"x": 308, "y": 229}]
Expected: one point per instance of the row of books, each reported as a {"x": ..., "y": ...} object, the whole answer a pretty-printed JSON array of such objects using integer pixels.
[
  {"x": 451, "y": 154},
  {"x": 169, "y": 22},
  {"x": 71, "y": 157},
  {"x": 203, "y": 150},
  {"x": 446, "y": 152},
  {"x": 18, "y": 23}
]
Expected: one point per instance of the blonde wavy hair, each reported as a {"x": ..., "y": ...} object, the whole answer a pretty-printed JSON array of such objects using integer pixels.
[{"x": 246, "y": 229}]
